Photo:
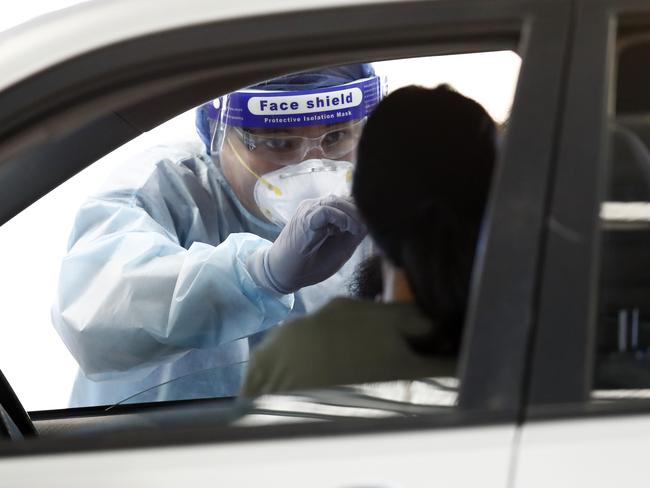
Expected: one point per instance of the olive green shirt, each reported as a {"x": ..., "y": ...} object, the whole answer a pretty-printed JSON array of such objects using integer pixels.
[{"x": 346, "y": 342}]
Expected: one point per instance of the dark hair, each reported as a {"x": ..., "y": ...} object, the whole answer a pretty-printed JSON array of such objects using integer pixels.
[
  {"x": 366, "y": 282},
  {"x": 424, "y": 166}
]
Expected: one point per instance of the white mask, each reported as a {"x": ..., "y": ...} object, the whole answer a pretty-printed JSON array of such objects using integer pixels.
[{"x": 279, "y": 192}]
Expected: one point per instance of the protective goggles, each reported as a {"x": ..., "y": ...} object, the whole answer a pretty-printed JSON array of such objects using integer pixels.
[
  {"x": 281, "y": 149},
  {"x": 257, "y": 116}
]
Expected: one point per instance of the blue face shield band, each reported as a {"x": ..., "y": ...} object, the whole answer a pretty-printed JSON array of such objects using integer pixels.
[{"x": 266, "y": 117}]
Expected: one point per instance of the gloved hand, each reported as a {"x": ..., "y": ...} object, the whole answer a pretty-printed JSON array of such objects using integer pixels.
[{"x": 320, "y": 237}]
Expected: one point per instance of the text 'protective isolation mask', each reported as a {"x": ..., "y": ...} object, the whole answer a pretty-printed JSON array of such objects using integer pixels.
[
  {"x": 279, "y": 193},
  {"x": 279, "y": 110}
]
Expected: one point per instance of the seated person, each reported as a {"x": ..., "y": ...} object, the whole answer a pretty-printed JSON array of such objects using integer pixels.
[{"x": 424, "y": 165}]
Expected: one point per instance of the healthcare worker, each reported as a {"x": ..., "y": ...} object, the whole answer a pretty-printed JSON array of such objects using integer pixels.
[{"x": 194, "y": 251}]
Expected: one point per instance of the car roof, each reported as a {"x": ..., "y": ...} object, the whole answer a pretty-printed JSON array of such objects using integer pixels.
[{"x": 53, "y": 38}]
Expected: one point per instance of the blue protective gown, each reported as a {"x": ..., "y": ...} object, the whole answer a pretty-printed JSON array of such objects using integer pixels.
[{"x": 154, "y": 290}]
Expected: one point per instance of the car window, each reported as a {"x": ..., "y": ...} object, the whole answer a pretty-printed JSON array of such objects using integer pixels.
[
  {"x": 67, "y": 246},
  {"x": 49, "y": 387},
  {"x": 623, "y": 341}
]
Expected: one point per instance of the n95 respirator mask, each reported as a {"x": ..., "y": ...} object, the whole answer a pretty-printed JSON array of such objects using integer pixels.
[{"x": 278, "y": 193}]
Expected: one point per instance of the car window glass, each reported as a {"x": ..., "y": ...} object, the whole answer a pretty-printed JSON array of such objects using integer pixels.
[
  {"x": 32, "y": 340},
  {"x": 622, "y": 362},
  {"x": 156, "y": 365}
]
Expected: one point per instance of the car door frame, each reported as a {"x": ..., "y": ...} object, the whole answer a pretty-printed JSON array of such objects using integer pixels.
[
  {"x": 502, "y": 306},
  {"x": 562, "y": 359}
]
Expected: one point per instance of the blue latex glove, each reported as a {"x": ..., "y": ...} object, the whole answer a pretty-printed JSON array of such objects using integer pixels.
[{"x": 320, "y": 237}]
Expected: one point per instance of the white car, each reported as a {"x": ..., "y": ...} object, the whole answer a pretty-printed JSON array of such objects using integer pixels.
[{"x": 555, "y": 366}]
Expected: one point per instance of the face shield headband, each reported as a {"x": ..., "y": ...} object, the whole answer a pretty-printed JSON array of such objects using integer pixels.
[{"x": 255, "y": 113}]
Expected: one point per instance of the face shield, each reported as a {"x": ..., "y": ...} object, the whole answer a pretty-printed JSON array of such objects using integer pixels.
[
  {"x": 285, "y": 149},
  {"x": 306, "y": 134},
  {"x": 264, "y": 119}
]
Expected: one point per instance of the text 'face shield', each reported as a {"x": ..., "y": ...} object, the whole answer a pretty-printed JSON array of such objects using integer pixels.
[{"x": 264, "y": 119}]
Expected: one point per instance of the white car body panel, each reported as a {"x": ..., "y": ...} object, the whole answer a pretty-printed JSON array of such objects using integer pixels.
[
  {"x": 558, "y": 454},
  {"x": 597, "y": 452},
  {"x": 88, "y": 26},
  {"x": 459, "y": 457}
]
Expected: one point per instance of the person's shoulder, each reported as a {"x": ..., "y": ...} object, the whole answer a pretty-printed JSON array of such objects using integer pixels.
[
  {"x": 332, "y": 318},
  {"x": 175, "y": 153},
  {"x": 167, "y": 162},
  {"x": 363, "y": 314},
  {"x": 347, "y": 305},
  {"x": 338, "y": 325},
  {"x": 188, "y": 155},
  {"x": 306, "y": 335},
  {"x": 286, "y": 358},
  {"x": 346, "y": 341}
]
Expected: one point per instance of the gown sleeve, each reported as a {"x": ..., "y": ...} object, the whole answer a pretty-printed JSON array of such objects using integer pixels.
[{"x": 131, "y": 295}]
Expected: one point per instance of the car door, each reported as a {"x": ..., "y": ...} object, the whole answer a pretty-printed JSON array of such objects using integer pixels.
[
  {"x": 587, "y": 419},
  {"x": 79, "y": 109}
]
